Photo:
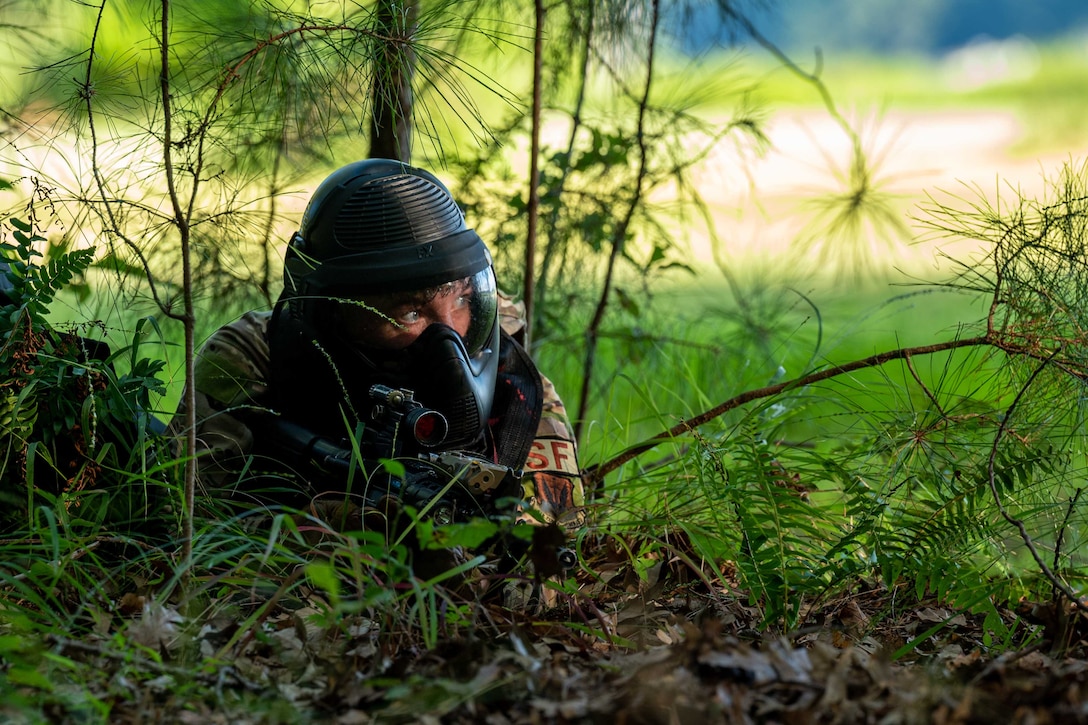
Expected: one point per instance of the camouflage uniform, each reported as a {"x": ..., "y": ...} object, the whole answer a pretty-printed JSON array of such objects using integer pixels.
[{"x": 232, "y": 374}]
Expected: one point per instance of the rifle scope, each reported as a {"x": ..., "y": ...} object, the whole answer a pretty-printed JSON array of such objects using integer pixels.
[{"x": 429, "y": 428}]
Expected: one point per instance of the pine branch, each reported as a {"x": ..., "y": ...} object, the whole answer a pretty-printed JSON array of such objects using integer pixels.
[{"x": 1058, "y": 584}]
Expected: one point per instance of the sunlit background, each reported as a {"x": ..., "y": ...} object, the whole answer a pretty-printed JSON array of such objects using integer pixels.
[{"x": 949, "y": 98}]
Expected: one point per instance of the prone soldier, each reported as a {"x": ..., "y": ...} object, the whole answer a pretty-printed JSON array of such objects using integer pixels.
[{"x": 385, "y": 289}]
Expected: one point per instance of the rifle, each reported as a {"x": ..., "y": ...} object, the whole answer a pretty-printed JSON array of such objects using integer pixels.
[{"x": 449, "y": 485}]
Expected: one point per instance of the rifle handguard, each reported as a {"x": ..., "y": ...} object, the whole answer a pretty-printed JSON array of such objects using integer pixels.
[{"x": 477, "y": 475}]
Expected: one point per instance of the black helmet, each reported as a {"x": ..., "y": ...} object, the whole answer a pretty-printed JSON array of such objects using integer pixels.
[
  {"x": 388, "y": 227},
  {"x": 373, "y": 228}
]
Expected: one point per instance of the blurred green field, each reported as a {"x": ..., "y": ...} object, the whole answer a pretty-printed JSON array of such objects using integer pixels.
[
  {"x": 733, "y": 343},
  {"x": 646, "y": 385},
  {"x": 700, "y": 345}
]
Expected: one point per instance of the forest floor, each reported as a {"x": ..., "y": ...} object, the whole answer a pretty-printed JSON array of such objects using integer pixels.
[{"x": 672, "y": 646}]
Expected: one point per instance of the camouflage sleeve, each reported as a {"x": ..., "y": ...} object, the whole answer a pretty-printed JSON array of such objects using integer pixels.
[
  {"x": 553, "y": 481},
  {"x": 553, "y": 485},
  {"x": 231, "y": 374}
]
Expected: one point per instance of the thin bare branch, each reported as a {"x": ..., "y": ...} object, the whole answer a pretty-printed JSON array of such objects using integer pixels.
[
  {"x": 182, "y": 222},
  {"x": 619, "y": 236},
  {"x": 114, "y": 228},
  {"x": 595, "y": 474},
  {"x": 533, "y": 205}
]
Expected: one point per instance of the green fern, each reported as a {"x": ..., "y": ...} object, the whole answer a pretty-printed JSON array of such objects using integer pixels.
[
  {"x": 780, "y": 534},
  {"x": 920, "y": 513},
  {"x": 36, "y": 285}
]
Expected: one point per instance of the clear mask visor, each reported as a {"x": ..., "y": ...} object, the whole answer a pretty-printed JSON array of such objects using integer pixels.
[{"x": 392, "y": 321}]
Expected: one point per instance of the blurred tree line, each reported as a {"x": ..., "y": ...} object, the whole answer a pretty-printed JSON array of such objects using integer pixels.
[{"x": 892, "y": 26}]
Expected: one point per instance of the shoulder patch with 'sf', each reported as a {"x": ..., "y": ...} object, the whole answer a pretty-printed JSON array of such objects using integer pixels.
[{"x": 553, "y": 455}]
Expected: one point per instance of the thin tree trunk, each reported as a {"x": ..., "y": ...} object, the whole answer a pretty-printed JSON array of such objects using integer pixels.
[
  {"x": 391, "y": 92},
  {"x": 181, "y": 221},
  {"x": 533, "y": 209},
  {"x": 553, "y": 248}
]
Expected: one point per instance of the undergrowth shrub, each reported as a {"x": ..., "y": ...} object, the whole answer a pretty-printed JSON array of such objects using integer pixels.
[
  {"x": 76, "y": 437},
  {"x": 952, "y": 470}
]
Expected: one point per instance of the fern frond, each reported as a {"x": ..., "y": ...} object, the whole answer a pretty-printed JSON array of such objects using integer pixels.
[
  {"x": 18, "y": 413},
  {"x": 35, "y": 285}
]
